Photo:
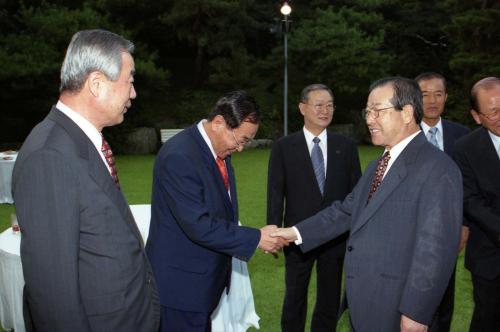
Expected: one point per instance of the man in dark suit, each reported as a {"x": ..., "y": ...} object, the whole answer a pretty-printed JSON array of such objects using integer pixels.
[
  {"x": 404, "y": 217},
  {"x": 442, "y": 134},
  {"x": 83, "y": 258},
  {"x": 478, "y": 157},
  {"x": 294, "y": 189},
  {"x": 194, "y": 214}
]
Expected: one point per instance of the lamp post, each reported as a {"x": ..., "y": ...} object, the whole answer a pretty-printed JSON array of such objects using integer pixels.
[{"x": 285, "y": 10}]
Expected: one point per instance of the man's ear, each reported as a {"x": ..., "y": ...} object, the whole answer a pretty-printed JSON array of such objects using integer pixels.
[
  {"x": 95, "y": 82},
  {"x": 302, "y": 108},
  {"x": 407, "y": 114},
  {"x": 218, "y": 123},
  {"x": 475, "y": 116}
]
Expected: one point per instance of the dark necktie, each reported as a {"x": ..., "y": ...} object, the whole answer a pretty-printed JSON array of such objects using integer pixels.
[
  {"x": 318, "y": 164},
  {"x": 432, "y": 137},
  {"x": 379, "y": 174},
  {"x": 108, "y": 155},
  {"x": 223, "y": 171}
]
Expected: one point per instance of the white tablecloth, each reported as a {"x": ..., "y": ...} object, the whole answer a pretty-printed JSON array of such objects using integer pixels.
[
  {"x": 235, "y": 313},
  {"x": 6, "y": 166}
]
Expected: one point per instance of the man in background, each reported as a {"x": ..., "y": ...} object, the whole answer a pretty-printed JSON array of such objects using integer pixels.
[
  {"x": 83, "y": 258},
  {"x": 308, "y": 170},
  {"x": 404, "y": 218},
  {"x": 442, "y": 134},
  {"x": 194, "y": 214},
  {"x": 478, "y": 156}
]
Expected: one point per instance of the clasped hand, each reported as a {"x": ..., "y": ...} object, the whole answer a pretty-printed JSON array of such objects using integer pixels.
[{"x": 272, "y": 238}]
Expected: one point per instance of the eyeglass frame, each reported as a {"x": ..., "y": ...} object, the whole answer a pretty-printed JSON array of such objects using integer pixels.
[
  {"x": 492, "y": 115},
  {"x": 319, "y": 107},
  {"x": 365, "y": 112},
  {"x": 239, "y": 144}
]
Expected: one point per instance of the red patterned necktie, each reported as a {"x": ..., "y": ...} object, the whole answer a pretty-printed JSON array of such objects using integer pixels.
[
  {"x": 108, "y": 155},
  {"x": 379, "y": 174},
  {"x": 223, "y": 171}
]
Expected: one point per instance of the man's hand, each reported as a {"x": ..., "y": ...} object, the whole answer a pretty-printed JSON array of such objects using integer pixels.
[
  {"x": 409, "y": 325},
  {"x": 288, "y": 234},
  {"x": 268, "y": 243},
  {"x": 463, "y": 237}
]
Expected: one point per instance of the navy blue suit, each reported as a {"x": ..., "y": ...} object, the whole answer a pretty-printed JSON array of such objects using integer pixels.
[
  {"x": 452, "y": 131},
  {"x": 194, "y": 228}
]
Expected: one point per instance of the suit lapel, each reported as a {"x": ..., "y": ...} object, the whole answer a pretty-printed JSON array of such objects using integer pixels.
[
  {"x": 448, "y": 139},
  {"x": 487, "y": 157},
  {"x": 213, "y": 170},
  {"x": 96, "y": 168},
  {"x": 394, "y": 177}
]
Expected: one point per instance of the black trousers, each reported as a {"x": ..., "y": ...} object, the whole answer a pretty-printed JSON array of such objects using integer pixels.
[
  {"x": 298, "y": 268},
  {"x": 173, "y": 320},
  {"x": 486, "y": 316}
]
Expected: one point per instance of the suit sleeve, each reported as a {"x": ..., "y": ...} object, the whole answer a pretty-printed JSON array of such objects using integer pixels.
[
  {"x": 477, "y": 209},
  {"x": 185, "y": 194},
  {"x": 327, "y": 224},
  {"x": 46, "y": 196},
  {"x": 355, "y": 167},
  {"x": 437, "y": 237},
  {"x": 275, "y": 187}
]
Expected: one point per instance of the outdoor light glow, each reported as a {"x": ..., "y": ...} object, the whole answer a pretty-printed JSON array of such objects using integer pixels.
[{"x": 286, "y": 9}]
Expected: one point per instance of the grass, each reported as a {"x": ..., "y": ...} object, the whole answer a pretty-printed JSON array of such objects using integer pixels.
[{"x": 267, "y": 273}]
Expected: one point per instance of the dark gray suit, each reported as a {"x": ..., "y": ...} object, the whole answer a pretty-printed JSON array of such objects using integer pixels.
[
  {"x": 83, "y": 258},
  {"x": 403, "y": 244}
]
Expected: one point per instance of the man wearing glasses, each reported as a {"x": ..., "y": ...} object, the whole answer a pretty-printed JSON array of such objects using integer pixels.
[
  {"x": 404, "y": 218},
  {"x": 477, "y": 156},
  {"x": 194, "y": 215},
  {"x": 308, "y": 170}
]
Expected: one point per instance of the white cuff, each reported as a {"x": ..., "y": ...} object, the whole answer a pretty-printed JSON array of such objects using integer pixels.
[{"x": 299, "y": 238}]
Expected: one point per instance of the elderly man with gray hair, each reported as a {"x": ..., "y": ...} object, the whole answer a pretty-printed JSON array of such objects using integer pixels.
[{"x": 83, "y": 258}]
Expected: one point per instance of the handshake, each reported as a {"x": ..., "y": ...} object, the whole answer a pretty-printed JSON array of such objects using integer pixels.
[{"x": 272, "y": 238}]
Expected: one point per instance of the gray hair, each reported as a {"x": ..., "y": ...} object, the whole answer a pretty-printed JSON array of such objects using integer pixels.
[
  {"x": 89, "y": 51},
  {"x": 304, "y": 96}
]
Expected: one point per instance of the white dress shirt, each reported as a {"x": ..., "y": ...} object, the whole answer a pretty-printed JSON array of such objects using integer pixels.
[
  {"x": 322, "y": 144},
  {"x": 204, "y": 134},
  {"x": 439, "y": 133},
  {"x": 88, "y": 128},
  {"x": 496, "y": 142}
]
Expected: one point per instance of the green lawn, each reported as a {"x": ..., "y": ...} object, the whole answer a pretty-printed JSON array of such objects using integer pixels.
[{"x": 267, "y": 273}]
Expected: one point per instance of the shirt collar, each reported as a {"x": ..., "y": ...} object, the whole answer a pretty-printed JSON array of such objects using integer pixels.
[
  {"x": 496, "y": 141},
  {"x": 426, "y": 127},
  {"x": 204, "y": 134},
  {"x": 309, "y": 136},
  {"x": 398, "y": 148},
  {"x": 88, "y": 128}
]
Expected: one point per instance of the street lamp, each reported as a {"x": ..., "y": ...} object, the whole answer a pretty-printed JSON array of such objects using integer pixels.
[{"x": 286, "y": 10}]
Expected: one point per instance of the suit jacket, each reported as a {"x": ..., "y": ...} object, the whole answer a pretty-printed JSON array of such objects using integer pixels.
[
  {"x": 478, "y": 160},
  {"x": 83, "y": 258},
  {"x": 403, "y": 244},
  {"x": 452, "y": 131},
  {"x": 291, "y": 179},
  {"x": 194, "y": 225}
]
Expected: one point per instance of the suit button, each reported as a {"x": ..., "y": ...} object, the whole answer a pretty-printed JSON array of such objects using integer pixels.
[{"x": 350, "y": 248}]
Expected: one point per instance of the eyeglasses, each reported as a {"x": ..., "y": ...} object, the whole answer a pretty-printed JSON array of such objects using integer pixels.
[
  {"x": 238, "y": 143},
  {"x": 330, "y": 107},
  {"x": 373, "y": 112},
  {"x": 491, "y": 115}
]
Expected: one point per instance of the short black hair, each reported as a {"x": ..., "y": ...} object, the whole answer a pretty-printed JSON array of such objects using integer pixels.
[
  {"x": 406, "y": 92},
  {"x": 237, "y": 107},
  {"x": 429, "y": 76}
]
